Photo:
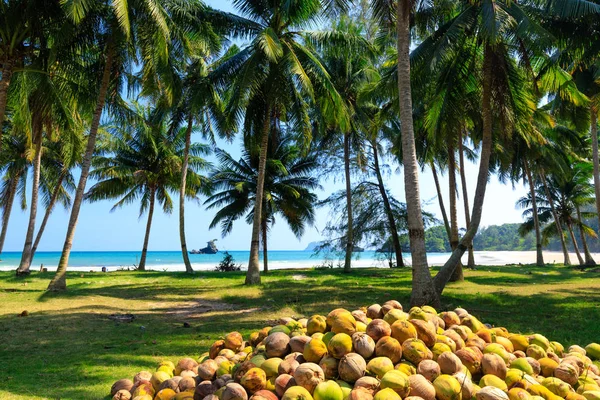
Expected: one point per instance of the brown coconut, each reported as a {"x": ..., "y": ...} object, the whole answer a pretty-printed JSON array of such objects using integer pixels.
[
  {"x": 535, "y": 365},
  {"x": 393, "y": 304},
  {"x": 567, "y": 372},
  {"x": 360, "y": 315},
  {"x": 329, "y": 365},
  {"x": 122, "y": 394},
  {"x": 429, "y": 369},
  {"x": 216, "y": 348},
  {"x": 264, "y": 395},
  {"x": 493, "y": 364},
  {"x": 363, "y": 344},
  {"x": 142, "y": 376},
  {"x": 277, "y": 345},
  {"x": 204, "y": 389},
  {"x": 309, "y": 375},
  {"x": 470, "y": 359},
  {"x": 121, "y": 384},
  {"x": 449, "y": 363},
  {"x": 186, "y": 384},
  {"x": 297, "y": 343},
  {"x": 352, "y": 367},
  {"x": 374, "y": 311},
  {"x": 241, "y": 370},
  {"x": 369, "y": 383},
  {"x": 288, "y": 366},
  {"x": 421, "y": 387},
  {"x": 389, "y": 347},
  {"x": 378, "y": 328},
  {"x": 360, "y": 394},
  {"x": 425, "y": 331},
  {"x": 233, "y": 341},
  {"x": 208, "y": 369},
  {"x": 450, "y": 318},
  {"x": 234, "y": 391},
  {"x": 282, "y": 383},
  {"x": 455, "y": 337},
  {"x": 172, "y": 383}
]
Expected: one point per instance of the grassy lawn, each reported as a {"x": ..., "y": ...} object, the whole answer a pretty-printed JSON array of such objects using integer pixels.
[{"x": 68, "y": 348}]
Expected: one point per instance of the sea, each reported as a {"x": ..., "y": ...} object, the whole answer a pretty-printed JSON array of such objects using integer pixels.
[{"x": 278, "y": 259}]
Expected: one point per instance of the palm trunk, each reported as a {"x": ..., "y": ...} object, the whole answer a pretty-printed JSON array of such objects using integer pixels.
[
  {"x": 264, "y": 243},
  {"x": 458, "y": 271},
  {"x": 253, "y": 274},
  {"x": 423, "y": 291},
  {"x": 594, "y": 134},
  {"x": 7, "y": 208},
  {"x": 482, "y": 178},
  {"x": 589, "y": 260},
  {"x": 536, "y": 221},
  {"x": 387, "y": 207},
  {"x": 142, "y": 266},
  {"x": 567, "y": 259},
  {"x": 59, "y": 281},
  {"x": 184, "y": 168},
  {"x": 575, "y": 245},
  {"x": 27, "y": 255},
  {"x": 465, "y": 193},
  {"x": 350, "y": 231},
  {"x": 440, "y": 200},
  {"x": 7, "y": 72},
  {"x": 49, "y": 209}
]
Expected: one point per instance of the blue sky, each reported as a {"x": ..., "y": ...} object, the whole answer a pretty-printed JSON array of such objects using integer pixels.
[{"x": 99, "y": 229}]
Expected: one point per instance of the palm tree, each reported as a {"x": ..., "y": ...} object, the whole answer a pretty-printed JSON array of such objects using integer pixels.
[
  {"x": 143, "y": 162},
  {"x": 288, "y": 189},
  {"x": 272, "y": 80}
]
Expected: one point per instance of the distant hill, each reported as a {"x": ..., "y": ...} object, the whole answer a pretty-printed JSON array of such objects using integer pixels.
[{"x": 312, "y": 246}]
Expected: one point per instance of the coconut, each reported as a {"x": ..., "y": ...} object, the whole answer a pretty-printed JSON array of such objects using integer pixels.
[
  {"x": 143, "y": 388},
  {"x": 395, "y": 315},
  {"x": 493, "y": 364},
  {"x": 447, "y": 387},
  {"x": 122, "y": 394},
  {"x": 438, "y": 349},
  {"x": 425, "y": 331},
  {"x": 184, "y": 396},
  {"x": 340, "y": 345},
  {"x": 368, "y": 383},
  {"x": 228, "y": 354},
  {"x": 287, "y": 366},
  {"x": 204, "y": 388},
  {"x": 188, "y": 374},
  {"x": 403, "y": 330},
  {"x": 471, "y": 322},
  {"x": 297, "y": 393},
  {"x": 329, "y": 365},
  {"x": 165, "y": 394},
  {"x": 172, "y": 383},
  {"x": 429, "y": 369},
  {"x": 378, "y": 328},
  {"x": 352, "y": 367},
  {"x": 360, "y": 394},
  {"x": 282, "y": 383},
  {"x": 450, "y": 318},
  {"x": 397, "y": 381},
  {"x": 341, "y": 321},
  {"x": 363, "y": 344},
  {"x": 254, "y": 380},
  {"x": 233, "y": 341},
  {"x": 493, "y": 380},
  {"x": 360, "y": 315},
  {"x": 421, "y": 387},
  {"x": 479, "y": 343},
  {"x": 449, "y": 363},
  {"x": 121, "y": 384},
  {"x": 216, "y": 348},
  {"x": 314, "y": 350},
  {"x": 535, "y": 351},
  {"x": 309, "y": 375},
  {"x": 445, "y": 340},
  {"x": 297, "y": 343},
  {"x": 157, "y": 378},
  {"x": 374, "y": 311},
  {"x": 264, "y": 395},
  {"x": 567, "y": 372},
  {"x": 535, "y": 364},
  {"x": 329, "y": 390},
  {"x": 142, "y": 376},
  {"x": 389, "y": 347},
  {"x": 379, "y": 366},
  {"x": 470, "y": 359},
  {"x": 406, "y": 367},
  {"x": 491, "y": 393},
  {"x": 593, "y": 351},
  {"x": 522, "y": 365},
  {"x": 467, "y": 386},
  {"x": 222, "y": 381},
  {"x": 277, "y": 344},
  {"x": 455, "y": 337},
  {"x": 557, "y": 386},
  {"x": 234, "y": 391},
  {"x": 387, "y": 394},
  {"x": 225, "y": 368},
  {"x": 518, "y": 394},
  {"x": 415, "y": 351},
  {"x": 186, "y": 384},
  {"x": 506, "y": 343}
]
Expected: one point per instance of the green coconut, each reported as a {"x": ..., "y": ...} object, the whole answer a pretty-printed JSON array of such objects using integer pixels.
[
  {"x": 327, "y": 337},
  {"x": 340, "y": 345},
  {"x": 522, "y": 365},
  {"x": 593, "y": 351},
  {"x": 280, "y": 329},
  {"x": 536, "y": 351},
  {"x": 328, "y": 390},
  {"x": 387, "y": 394},
  {"x": 225, "y": 368},
  {"x": 556, "y": 386},
  {"x": 379, "y": 366},
  {"x": 271, "y": 366},
  {"x": 539, "y": 340},
  {"x": 397, "y": 381},
  {"x": 447, "y": 387},
  {"x": 296, "y": 393},
  {"x": 158, "y": 378},
  {"x": 314, "y": 350},
  {"x": 493, "y": 380},
  {"x": 258, "y": 359},
  {"x": 395, "y": 315}
]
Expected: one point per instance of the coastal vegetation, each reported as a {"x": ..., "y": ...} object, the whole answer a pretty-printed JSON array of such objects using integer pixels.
[{"x": 131, "y": 95}]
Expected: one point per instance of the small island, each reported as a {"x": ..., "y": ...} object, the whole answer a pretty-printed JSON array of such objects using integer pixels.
[{"x": 210, "y": 248}]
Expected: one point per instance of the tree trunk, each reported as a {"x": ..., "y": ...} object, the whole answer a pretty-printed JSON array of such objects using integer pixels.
[
  {"x": 184, "y": 169},
  {"x": 567, "y": 259},
  {"x": 447, "y": 270},
  {"x": 589, "y": 260},
  {"x": 142, "y": 266},
  {"x": 253, "y": 274},
  {"x": 575, "y": 245},
  {"x": 7, "y": 72},
  {"x": 350, "y": 232},
  {"x": 440, "y": 199},
  {"x": 458, "y": 271},
  {"x": 423, "y": 291},
  {"x": 59, "y": 282},
  {"x": 7, "y": 208},
  {"x": 536, "y": 221},
  {"x": 264, "y": 243},
  {"x": 27, "y": 255},
  {"x": 49, "y": 209},
  {"x": 465, "y": 193},
  {"x": 388, "y": 208},
  {"x": 594, "y": 134}
]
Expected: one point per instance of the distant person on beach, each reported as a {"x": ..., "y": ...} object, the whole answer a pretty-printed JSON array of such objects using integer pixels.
[{"x": 104, "y": 269}]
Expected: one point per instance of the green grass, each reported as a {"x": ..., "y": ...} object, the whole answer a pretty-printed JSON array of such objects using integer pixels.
[{"x": 67, "y": 347}]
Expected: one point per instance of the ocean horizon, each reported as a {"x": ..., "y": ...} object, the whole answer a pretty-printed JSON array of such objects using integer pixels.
[{"x": 278, "y": 259}]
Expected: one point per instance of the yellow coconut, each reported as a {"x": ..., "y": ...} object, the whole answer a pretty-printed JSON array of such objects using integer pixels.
[
  {"x": 493, "y": 380},
  {"x": 415, "y": 351},
  {"x": 447, "y": 387},
  {"x": 340, "y": 345},
  {"x": 397, "y": 381},
  {"x": 314, "y": 350},
  {"x": 389, "y": 347},
  {"x": 379, "y": 366},
  {"x": 316, "y": 323},
  {"x": 341, "y": 321},
  {"x": 387, "y": 394}
]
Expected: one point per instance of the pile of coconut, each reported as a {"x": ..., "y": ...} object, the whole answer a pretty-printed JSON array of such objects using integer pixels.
[{"x": 376, "y": 353}]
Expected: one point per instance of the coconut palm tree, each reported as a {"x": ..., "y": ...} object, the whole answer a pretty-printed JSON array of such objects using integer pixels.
[
  {"x": 288, "y": 189},
  {"x": 143, "y": 162},
  {"x": 273, "y": 80}
]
